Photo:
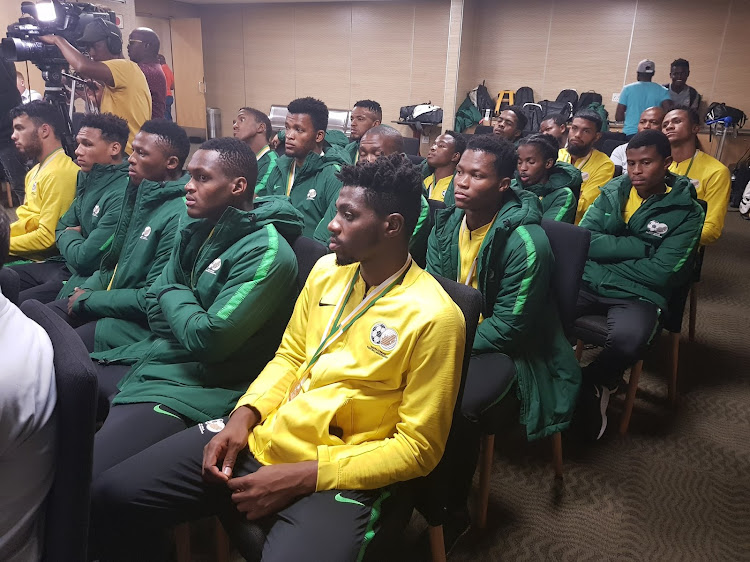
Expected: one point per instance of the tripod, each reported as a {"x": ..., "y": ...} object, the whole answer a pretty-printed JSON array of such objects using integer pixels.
[{"x": 56, "y": 94}]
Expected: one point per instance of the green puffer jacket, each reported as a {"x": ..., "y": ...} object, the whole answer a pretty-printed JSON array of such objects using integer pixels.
[
  {"x": 315, "y": 187},
  {"x": 352, "y": 151},
  {"x": 96, "y": 208},
  {"x": 520, "y": 318},
  {"x": 149, "y": 220},
  {"x": 217, "y": 312},
  {"x": 417, "y": 244},
  {"x": 649, "y": 256},
  {"x": 266, "y": 164},
  {"x": 557, "y": 196}
]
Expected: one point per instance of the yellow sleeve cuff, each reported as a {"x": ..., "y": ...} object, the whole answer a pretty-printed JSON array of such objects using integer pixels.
[{"x": 328, "y": 471}]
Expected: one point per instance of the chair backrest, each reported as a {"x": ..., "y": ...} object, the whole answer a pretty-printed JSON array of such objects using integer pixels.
[
  {"x": 415, "y": 159},
  {"x": 570, "y": 246},
  {"x": 483, "y": 130},
  {"x": 609, "y": 145},
  {"x": 67, "y": 512},
  {"x": 339, "y": 120},
  {"x": 411, "y": 146},
  {"x": 308, "y": 252},
  {"x": 435, "y": 206},
  {"x": 10, "y": 284}
]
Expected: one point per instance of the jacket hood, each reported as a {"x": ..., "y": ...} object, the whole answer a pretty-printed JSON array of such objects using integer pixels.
[
  {"x": 314, "y": 163},
  {"x": 154, "y": 192},
  {"x": 336, "y": 138},
  {"x": 562, "y": 175},
  {"x": 278, "y": 211},
  {"x": 99, "y": 170}
]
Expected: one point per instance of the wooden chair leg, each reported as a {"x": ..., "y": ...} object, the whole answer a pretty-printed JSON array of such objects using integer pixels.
[
  {"x": 8, "y": 193},
  {"x": 674, "y": 361},
  {"x": 557, "y": 458},
  {"x": 485, "y": 472},
  {"x": 579, "y": 350},
  {"x": 635, "y": 375},
  {"x": 182, "y": 542},
  {"x": 222, "y": 544},
  {"x": 437, "y": 544},
  {"x": 693, "y": 311}
]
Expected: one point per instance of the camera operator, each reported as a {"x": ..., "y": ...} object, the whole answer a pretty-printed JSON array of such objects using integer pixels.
[
  {"x": 124, "y": 89},
  {"x": 12, "y": 169}
]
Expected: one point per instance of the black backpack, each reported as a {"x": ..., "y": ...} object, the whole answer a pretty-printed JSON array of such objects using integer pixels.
[
  {"x": 556, "y": 107},
  {"x": 570, "y": 96},
  {"x": 524, "y": 95},
  {"x": 587, "y": 98},
  {"x": 484, "y": 99},
  {"x": 533, "y": 113},
  {"x": 720, "y": 110}
]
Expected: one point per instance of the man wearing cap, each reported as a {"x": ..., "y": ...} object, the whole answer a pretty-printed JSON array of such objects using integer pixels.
[
  {"x": 639, "y": 96},
  {"x": 121, "y": 84}
]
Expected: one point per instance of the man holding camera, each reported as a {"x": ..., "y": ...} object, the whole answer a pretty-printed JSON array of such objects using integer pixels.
[{"x": 124, "y": 90}]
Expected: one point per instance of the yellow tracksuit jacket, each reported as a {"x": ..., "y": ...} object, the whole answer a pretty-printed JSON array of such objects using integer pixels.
[
  {"x": 597, "y": 170},
  {"x": 377, "y": 410}
]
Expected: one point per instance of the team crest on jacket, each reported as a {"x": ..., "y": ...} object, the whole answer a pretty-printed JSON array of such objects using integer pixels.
[
  {"x": 657, "y": 229},
  {"x": 96, "y": 210},
  {"x": 146, "y": 233},
  {"x": 214, "y": 266},
  {"x": 311, "y": 194},
  {"x": 384, "y": 337}
]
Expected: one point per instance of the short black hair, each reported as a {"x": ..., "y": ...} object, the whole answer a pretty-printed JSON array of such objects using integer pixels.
[
  {"x": 521, "y": 118},
  {"x": 41, "y": 113},
  {"x": 546, "y": 144},
  {"x": 592, "y": 116},
  {"x": 459, "y": 141},
  {"x": 172, "y": 136},
  {"x": 389, "y": 133},
  {"x": 4, "y": 237},
  {"x": 558, "y": 118},
  {"x": 692, "y": 113},
  {"x": 681, "y": 63},
  {"x": 506, "y": 157},
  {"x": 260, "y": 117},
  {"x": 392, "y": 184},
  {"x": 371, "y": 105},
  {"x": 112, "y": 127},
  {"x": 651, "y": 137},
  {"x": 236, "y": 158},
  {"x": 316, "y": 109}
]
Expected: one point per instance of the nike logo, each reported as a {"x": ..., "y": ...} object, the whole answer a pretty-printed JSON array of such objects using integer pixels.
[
  {"x": 321, "y": 303},
  {"x": 158, "y": 409},
  {"x": 341, "y": 499}
]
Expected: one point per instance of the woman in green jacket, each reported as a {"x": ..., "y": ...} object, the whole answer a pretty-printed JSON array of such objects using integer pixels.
[{"x": 555, "y": 183}]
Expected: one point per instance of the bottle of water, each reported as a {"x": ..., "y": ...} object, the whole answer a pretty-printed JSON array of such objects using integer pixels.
[{"x": 486, "y": 120}]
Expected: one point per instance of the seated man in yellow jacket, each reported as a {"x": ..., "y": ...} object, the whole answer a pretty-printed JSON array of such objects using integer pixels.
[
  {"x": 595, "y": 166},
  {"x": 50, "y": 184},
  {"x": 711, "y": 178},
  {"x": 358, "y": 398}
]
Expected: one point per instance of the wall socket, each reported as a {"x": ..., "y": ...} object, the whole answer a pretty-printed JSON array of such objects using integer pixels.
[{"x": 616, "y": 97}]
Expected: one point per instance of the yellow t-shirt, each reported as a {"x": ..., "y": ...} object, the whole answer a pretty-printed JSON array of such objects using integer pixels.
[
  {"x": 130, "y": 97},
  {"x": 469, "y": 243},
  {"x": 596, "y": 169},
  {"x": 436, "y": 191},
  {"x": 713, "y": 183},
  {"x": 50, "y": 189},
  {"x": 374, "y": 412},
  {"x": 634, "y": 203}
]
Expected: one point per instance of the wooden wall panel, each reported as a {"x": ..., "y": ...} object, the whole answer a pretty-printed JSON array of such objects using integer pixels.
[{"x": 732, "y": 83}]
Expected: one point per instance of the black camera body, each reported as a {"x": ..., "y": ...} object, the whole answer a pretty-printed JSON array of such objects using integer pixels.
[{"x": 50, "y": 17}]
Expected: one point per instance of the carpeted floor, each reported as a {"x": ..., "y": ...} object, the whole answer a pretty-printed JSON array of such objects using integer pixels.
[{"x": 678, "y": 486}]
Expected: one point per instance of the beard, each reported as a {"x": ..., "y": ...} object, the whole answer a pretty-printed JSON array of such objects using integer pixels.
[
  {"x": 344, "y": 260},
  {"x": 32, "y": 150},
  {"x": 579, "y": 151}
]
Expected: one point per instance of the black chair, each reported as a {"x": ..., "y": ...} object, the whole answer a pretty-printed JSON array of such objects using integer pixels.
[
  {"x": 308, "y": 252},
  {"x": 609, "y": 145},
  {"x": 570, "y": 246},
  {"x": 610, "y": 136},
  {"x": 429, "y": 495},
  {"x": 483, "y": 130},
  {"x": 592, "y": 329},
  {"x": 435, "y": 206},
  {"x": 67, "y": 511},
  {"x": 411, "y": 146},
  {"x": 10, "y": 284},
  {"x": 416, "y": 159}
]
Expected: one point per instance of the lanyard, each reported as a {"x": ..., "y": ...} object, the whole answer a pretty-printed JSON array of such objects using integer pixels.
[
  {"x": 431, "y": 186},
  {"x": 263, "y": 151},
  {"x": 585, "y": 161},
  {"x": 691, "y": 163},
  {"x": 336, "y": 327},
  {"x": 290, "y": 178}
]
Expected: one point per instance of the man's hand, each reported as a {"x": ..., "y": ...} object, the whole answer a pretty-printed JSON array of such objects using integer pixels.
[
  {"x": 76, "y": 228},
  {"x": 223, "y": 449},
  {"x": 274, "y": 142},
  {"x": 49, "y": 39},
  {"x": 73, "y": 298},
  {"x": 271, "y": 488}
]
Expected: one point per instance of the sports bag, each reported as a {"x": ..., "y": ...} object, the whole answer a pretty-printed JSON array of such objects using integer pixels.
[
  {"x": 570, "y": 96},
  {"x": 719, "y": 110},
  {"x": 423, "y": 112}
]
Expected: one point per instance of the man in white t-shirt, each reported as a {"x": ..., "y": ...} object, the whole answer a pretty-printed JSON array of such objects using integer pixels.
[
  {"x": 27, "y": 95},
  {"x": 651, "y": 118},
  {"x": 27, "y": 426}
]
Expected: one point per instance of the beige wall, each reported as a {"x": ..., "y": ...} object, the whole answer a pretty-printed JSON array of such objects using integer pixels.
[
  {"x": 550, "y": 45},
  {"x": 264, "y": 54}
]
